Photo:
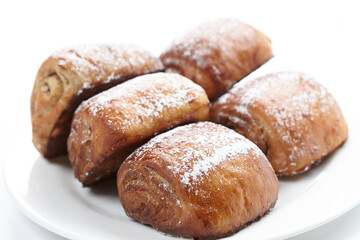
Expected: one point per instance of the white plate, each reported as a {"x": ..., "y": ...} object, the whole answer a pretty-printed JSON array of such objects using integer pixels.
[{"x": 47, "y": 192}]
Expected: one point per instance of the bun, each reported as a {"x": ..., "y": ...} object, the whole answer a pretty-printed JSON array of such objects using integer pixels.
[
  {"x": 72, "y": 75},
  {"x": 201, "y": 181},
  {"x": 217, "y": 54},
  {"x": 111, "y": 125},
  {"x": 293, "y": 119}
]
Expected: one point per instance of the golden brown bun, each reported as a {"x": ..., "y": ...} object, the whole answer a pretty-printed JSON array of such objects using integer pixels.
[
  {"x": 109, "y": 126},
  {"x": 217, "y": 54},
  {"x": 201, "y": 180},
  {"x": 72, "y": 75},
  {"x": 292, "y": 118}
]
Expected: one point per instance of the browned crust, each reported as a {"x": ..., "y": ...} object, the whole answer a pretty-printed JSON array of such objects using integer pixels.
[
  {"x": 244, "y": 124},
  {"x": 89, "y": 173},
  {"x": 78, "y": 78},
  {"x": 321, "y": 130},
  {"x": 216, "y": 59},
  {"x": 313, "y": 164},
  {"x": 103, "y": 146},
  {"x": 191, "y": 71},
  {"x": 223, "y": 202},
  {"x": 232, "y": 232},
  {"x": 243, "y": 226}
]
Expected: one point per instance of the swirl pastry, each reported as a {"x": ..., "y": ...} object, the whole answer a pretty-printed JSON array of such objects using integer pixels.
[
  {"x": 217, "y": 54},
  {"x": 72, "y": 75},
  {"x": 293, "y": 119},
  {"x": 201, "y": 181},
  {"x": 109, "y": 126}
]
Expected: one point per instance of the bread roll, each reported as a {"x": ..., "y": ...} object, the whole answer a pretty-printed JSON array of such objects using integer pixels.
[
  {"x": 293, "y": 119},
  {"x": 72, "y": 75},
  {"x": 217, "y": 54},
  {"x": 109, "y": 126},
  {"x": 201, "y": 181}
]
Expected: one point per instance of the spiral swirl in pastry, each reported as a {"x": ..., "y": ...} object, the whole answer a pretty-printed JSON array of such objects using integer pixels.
[
  {"x": 109, "y": 126},
  {"x": 293, "y": 119},
  {"x": 72, "y": 75},
  {"x": 201, "y": 180}
]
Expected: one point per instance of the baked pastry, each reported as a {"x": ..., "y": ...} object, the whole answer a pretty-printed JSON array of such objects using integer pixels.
[
  {"x": 72, "y": 75},
  {"x": 293, "y": 119},
  {"x": 111, "y": 125},
  {"x": 201, "y": 181},
  {"x": 217, "y": 54}
]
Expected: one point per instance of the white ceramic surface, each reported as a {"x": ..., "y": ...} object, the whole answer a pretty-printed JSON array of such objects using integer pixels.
[
  {"x": 317, "y": 37},
  {"x": 47, "y": 192}
]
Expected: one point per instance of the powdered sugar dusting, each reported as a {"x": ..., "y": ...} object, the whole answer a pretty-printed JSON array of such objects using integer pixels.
[
  {"x": 144, "y": 97},
  {"x": 208, "y": 160},
  {"x": 106, "y": 62},
  {"x": 289, "y": 107},
  {"x": 200, "y": 44},
  {"x": 199, "y": 148}
]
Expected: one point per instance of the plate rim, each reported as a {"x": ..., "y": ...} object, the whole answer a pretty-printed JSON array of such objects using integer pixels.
[{"x": 30, "y": 213}]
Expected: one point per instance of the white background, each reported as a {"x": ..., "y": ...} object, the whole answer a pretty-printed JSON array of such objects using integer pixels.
[{"x": 321, "y": 38}]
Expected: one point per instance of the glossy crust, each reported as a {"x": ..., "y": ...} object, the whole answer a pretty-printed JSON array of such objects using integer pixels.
[
  {"x": 72, "y": 75},
  {"x": 292, "y": 118},
  {"x": 217, "y": 54},
  {"x": 110, "y": 125},
  {"x": 201, "y": 181}
]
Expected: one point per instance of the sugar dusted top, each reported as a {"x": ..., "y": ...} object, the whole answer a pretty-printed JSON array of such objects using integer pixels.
[
  {"x": 217, "y": 54},
  {"x": 291, "y": 103},
  {"x": 106, "y": 62},
  {"x": 226, "y": 49},
  {"x": 199, "y": 148},
  {"x": 142, "y": 99},
  {"x": 199, "y": 43}
]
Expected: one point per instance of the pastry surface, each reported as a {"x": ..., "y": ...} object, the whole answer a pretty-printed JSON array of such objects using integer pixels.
[
  {"x": 109, "y": 126},
  {"x": 217, "y": 54},
  {"x": 292, "y": 118},
  {"x": 72, "y": 75},
  {"x": 200, "y": 180}
]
